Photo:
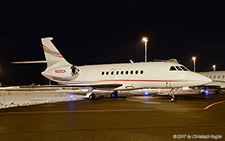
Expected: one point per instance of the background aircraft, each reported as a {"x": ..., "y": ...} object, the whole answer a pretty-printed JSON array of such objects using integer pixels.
[{"x": 217, "y": 84}]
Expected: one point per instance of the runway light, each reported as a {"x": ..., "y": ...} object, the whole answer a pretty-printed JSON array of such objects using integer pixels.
[
  {"x": 71, "y": 96},
  {"x": 206, "y": 92},
  {"x": 113, "y": 95},
  {"x": 146, "y": 93}
]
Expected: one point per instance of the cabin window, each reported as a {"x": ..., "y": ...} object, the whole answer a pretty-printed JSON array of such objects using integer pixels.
[
  {"x": 131, "y": 72},
  {"x": 223, "y": 77},
  {"x": 136, "y": 72},
  {"x": 127, "y": 72},
  {"x": 172, "y": 68},
  {"x": 210, "y": 76},
  {"x": 218, "y": 77},
  {"x": 214, "y": 76}
]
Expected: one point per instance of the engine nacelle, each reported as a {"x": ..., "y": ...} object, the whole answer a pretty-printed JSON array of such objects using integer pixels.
[{"x": 64, "y": 73}]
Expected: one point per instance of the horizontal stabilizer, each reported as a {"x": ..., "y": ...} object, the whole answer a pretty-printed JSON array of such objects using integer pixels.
[{"x": 29, "y": 62}]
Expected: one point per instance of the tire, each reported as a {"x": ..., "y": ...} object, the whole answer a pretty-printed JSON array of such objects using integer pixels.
[
  {"x": 216, "y": 92},
  {"x": 91, "y": 97},
  {"x": 172, "y": 100}
]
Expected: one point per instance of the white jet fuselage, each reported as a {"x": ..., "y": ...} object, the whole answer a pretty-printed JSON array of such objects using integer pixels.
[
  {"x": 129, "y": 75},
  {"x": 218, "y": 78},
  {"x": 118, "y": 76}
]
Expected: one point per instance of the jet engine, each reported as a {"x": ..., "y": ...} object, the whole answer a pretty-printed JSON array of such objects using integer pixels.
[{"x": 63, "y": 73}]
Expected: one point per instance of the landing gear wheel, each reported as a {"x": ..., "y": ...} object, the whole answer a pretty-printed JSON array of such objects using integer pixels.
[
  {"x": 216, "y": 92},
  {"x": 91, "y": 97},
  {"x": 172, "y": 94},
  {"x": 172, "y": 99},
  {"x": 202, "y": 91}
]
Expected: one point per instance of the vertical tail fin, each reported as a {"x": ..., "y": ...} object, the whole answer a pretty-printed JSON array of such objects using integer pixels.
[{"x": 52, "y": 55}]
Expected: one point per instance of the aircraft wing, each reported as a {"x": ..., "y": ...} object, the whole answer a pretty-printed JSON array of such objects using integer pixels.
[{"x": 109, "y": 86}]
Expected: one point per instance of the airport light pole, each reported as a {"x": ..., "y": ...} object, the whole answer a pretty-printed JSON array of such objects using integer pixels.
[
  {"x": 145, "y": 39},
  {"x": 194, "y": 59},
  {"x": 214, "y": 67}
]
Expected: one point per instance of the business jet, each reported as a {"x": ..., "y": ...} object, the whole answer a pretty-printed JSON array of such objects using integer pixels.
[
  {"x": 217, "y": 84},
  {"x": 118, "y": 77}
]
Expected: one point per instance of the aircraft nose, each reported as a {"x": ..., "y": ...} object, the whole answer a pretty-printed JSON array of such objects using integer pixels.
[
  {"x": 206, "y": 79},
  {"x": 202, "y": 79},
  {"x": 198, "y": 79}
]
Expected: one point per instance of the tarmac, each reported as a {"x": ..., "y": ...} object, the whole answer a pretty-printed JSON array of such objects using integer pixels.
[{"x": 132, "y": 118}]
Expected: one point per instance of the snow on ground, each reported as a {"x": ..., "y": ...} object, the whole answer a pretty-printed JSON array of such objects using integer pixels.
[
  {"x": 15, "y": 96},
  {"x": 11, "y": 98}
]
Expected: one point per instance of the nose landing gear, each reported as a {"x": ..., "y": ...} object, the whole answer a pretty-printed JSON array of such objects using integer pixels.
[
  {"x": 172, "y": 94},
  {"x": 172, "y": 99}
]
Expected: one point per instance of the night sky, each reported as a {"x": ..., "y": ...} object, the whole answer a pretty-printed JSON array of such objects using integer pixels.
[{"x": 102, "y": 32}]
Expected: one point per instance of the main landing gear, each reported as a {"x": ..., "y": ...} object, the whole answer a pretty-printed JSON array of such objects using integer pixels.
[
  {"x": 90, "y": 95},
  {"x": 216, "y": 91},
  {"x": 172, "y": 94}
]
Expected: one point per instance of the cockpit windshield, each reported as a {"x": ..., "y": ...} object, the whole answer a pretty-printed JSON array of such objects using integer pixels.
[
  {"x": 178, "y": 68},
  {"x": 184, "y": 68},
  {"x": 172, "y": 68}
]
